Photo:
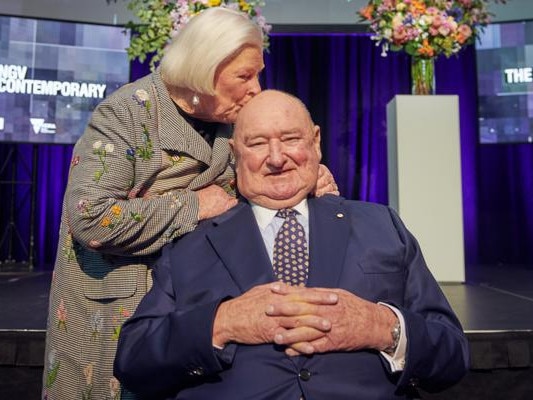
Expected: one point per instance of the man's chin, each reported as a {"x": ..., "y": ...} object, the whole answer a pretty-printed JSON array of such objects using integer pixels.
[{"x": 280, "y": 199}]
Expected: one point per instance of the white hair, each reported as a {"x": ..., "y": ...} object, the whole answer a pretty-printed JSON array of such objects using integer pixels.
[{"x": 215, "y": 35}]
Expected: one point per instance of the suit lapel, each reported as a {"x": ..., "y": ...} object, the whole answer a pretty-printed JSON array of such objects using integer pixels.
[
  {"x": 329, "y": 230},
  {"x": 236, "y": 239}
]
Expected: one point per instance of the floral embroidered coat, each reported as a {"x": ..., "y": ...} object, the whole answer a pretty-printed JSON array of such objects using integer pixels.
[{"x": 130, "y": 192}]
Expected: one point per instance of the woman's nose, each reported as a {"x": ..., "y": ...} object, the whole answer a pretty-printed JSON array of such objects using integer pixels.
[{"x": 255, "y": 86}]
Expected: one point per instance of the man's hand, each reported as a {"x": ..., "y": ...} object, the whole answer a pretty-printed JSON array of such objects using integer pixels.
[
  {"x": 213, "y": 201},
  {"x": 325, "y": 183},
  {"x": 355, "y": 324},
  {"x": 245, "y": 319}
]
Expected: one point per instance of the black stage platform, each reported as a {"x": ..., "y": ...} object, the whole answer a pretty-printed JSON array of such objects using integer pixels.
[{"x": 495, "y": 308}]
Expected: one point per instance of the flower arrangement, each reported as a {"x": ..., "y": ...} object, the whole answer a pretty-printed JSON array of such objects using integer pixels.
[
  {"x": 160, "y": 20},
  {"x": 426, "y": 28}
]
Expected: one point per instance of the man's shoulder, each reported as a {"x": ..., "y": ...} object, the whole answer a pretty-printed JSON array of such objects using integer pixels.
[
  {"x": 361, "y": 214},
  {"x": 241, "y": 211},
  {"x": 356, "y": 206}
]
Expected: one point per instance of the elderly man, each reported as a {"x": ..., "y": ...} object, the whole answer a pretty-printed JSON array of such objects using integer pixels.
[{"x": 287, "y": 296}]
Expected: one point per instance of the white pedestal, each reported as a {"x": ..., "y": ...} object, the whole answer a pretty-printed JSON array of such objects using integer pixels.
[{"x": 424, "y": 172}]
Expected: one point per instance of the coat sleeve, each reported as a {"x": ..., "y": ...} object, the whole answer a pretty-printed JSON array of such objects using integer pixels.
[
  {"x": 162, "y": 349},
  {"x": 437, "y": 353},
  {"x": 102, "y": 212}
]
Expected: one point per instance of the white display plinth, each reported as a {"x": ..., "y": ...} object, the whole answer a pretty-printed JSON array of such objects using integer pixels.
[{"x": 424, "y": 172}]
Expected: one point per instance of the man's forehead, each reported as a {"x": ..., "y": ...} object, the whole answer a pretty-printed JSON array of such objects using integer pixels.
[
  {"x": 254, "y": 132},
  {"x": 274, "y": 117}
]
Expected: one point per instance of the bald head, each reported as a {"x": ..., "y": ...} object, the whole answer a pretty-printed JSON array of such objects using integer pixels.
[
  {"x": 277, "y": 150},
  {"x": 274, "y": 101}
]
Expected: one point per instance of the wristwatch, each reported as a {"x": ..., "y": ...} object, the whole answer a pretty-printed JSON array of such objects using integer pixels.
[{"x": 395, "y": 333}]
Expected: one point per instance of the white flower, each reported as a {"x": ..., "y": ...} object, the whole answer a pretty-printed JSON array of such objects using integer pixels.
[
  {"x": 234, "y": 6},
  {"x": 52, "y": 359},
  {"x": 97, "y": 144},
  {"x": 109, "y": 147},
  {"x": 88, "y": 373},
  {"x": 114, "y": 387},
  {"x": 97, "y": 322},
  {"x": 142, "y": 95}
]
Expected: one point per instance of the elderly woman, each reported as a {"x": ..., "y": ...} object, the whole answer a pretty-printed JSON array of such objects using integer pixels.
[{"x": 153, "y": 161}]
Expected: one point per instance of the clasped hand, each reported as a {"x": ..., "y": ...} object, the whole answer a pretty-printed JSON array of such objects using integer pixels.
[{"x": 305, "y": 320}]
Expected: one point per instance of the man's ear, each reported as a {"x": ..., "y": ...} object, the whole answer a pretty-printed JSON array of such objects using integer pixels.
[{"x": 316, "y": 140}]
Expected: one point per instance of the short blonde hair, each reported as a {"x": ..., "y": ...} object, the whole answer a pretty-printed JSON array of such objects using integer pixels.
[{"x": 215, "y": 35}]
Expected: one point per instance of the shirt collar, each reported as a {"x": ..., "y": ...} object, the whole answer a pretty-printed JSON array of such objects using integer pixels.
[{"x": 265, "y": 215}]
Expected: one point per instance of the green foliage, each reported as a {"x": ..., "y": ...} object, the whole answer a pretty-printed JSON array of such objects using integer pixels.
[
  {"x": 159, "y": 20},
  {"x": 151, "y": 34}
]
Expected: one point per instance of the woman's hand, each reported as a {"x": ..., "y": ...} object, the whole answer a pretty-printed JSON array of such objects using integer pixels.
[
  {"x": 325, "y": 183},
  {"x": 213, "y": 201}
]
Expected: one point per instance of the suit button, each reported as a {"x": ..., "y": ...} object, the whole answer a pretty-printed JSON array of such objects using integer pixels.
[
  {"x": 196, "y": 371},
  {"x": 305, "y": 375},
  {"x": 413, "y": 382}
]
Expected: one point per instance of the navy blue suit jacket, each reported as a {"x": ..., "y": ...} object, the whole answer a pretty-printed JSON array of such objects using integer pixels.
[{"x": 166, "y": 350}]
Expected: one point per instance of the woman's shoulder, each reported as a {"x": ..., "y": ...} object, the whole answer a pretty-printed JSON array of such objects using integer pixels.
[{"x": 137, "y": 89}]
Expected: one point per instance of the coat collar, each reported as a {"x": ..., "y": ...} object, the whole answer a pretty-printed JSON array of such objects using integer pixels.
[
  {"x": 236, "y": 239},
  {"x": 238, "y": 242},
  {"x": 174, "y": 132}
]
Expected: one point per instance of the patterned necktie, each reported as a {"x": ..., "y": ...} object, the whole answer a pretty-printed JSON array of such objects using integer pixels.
[{"x": 291, "y": 257}]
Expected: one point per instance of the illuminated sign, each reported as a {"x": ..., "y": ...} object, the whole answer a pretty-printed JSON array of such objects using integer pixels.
[
  {"x": 13, "y": 80},
  {"x": 518, "y": 75}
]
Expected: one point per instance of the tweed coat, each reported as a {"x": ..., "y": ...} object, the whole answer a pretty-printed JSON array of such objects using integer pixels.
[{"x": 130, "y": 191}]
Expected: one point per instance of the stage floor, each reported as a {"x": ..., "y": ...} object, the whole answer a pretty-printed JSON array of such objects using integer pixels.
[
  {"x": 495, "y": 307},
  {"x": 495, "y": 298}
]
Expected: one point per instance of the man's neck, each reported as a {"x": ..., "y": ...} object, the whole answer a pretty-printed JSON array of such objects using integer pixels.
[{"x": 264, "y": 215}]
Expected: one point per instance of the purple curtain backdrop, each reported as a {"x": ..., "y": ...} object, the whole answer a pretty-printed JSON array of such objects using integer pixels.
[{"x": 346, "y": 84}]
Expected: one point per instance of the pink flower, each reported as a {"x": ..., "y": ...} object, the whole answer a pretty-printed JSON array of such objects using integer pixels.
[
  {"x": 437, "y": 21},
  {"x": 399, "y": 35},
  {"x": 83, "y": 206},
  {"x": 444, "y": 30},
  {"x": 62, "y": 311},
  {"x": 62, "y": 316},
  {"x": 463, "y": 33}
]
